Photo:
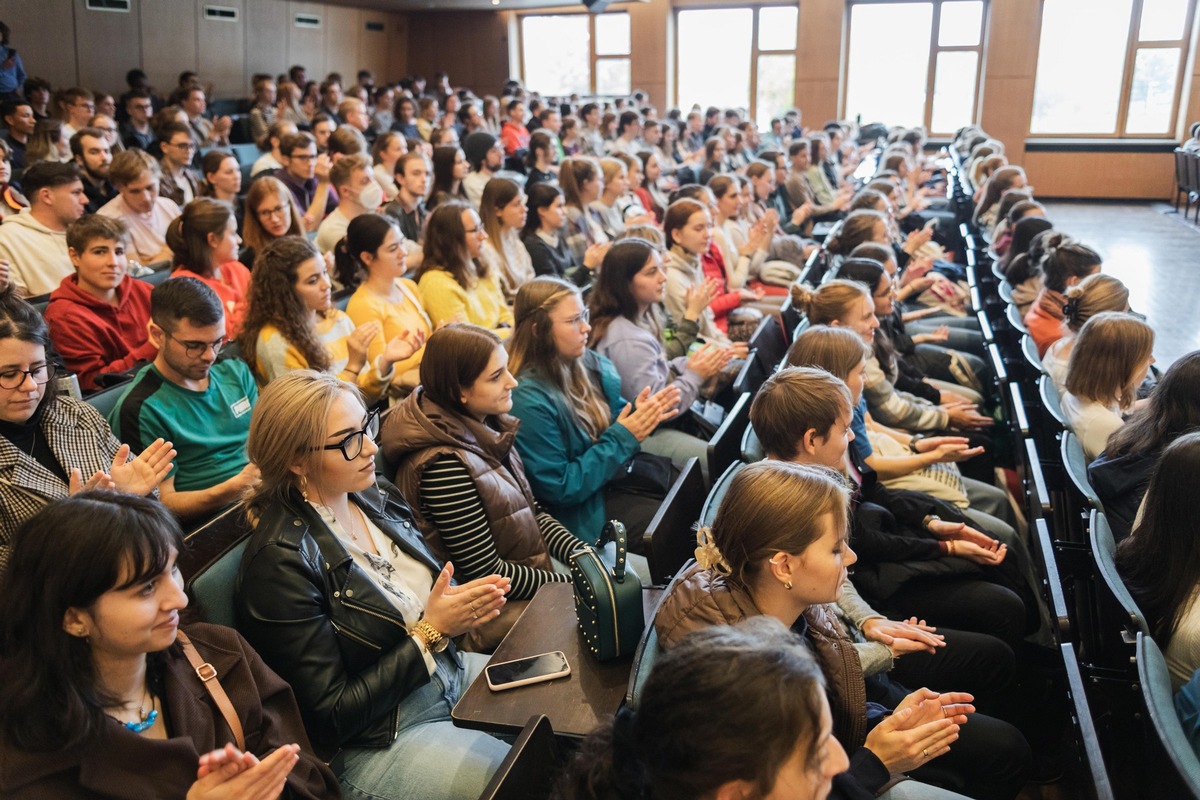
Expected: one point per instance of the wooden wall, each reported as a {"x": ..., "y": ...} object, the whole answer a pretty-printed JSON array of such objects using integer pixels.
[{"x": 64, "y": 42}]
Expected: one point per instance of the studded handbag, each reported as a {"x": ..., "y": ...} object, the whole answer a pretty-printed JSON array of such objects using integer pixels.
[{"x": 608, "y": 595}]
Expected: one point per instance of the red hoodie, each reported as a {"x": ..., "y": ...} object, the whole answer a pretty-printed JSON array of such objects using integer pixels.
[{"x": 93, "y": 336}]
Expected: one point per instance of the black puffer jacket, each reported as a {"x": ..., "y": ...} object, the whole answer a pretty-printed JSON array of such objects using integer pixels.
[{"x": 321, "y": 623}]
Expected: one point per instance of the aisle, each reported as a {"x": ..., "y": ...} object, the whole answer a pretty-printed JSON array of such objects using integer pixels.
[{"x": 1157, "y": 256}]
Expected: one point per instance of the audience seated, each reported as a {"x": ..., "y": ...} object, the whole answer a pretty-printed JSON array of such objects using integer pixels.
[
  {"x": 205, "y": 132},
  {"x": 1021, "y": 265},
  {"x": 19, "y": 123},
  {"x": 456, "y": 284},
  {"x": 372, "y": 257},
  {"x": 98, "y": 316},
  {"x": 407, "y": 207},
  {"x": 200, "y": 404},
  {"x": 1064, "y": 264},
  {"x": 291, "y": 324},
  {"x": 485, "y": 155},
  {"x": 358, "y": 193},
  {"x": 1120, "y": 474},
  {"x": 222, "y": 180},
  {"x": 582, "y": 183},
  {"x": 307, "y": 177},
  {"x": 272, "y": 159},
  {"x": 92, "y": 154},
  {"x": 136, "y": 718},
  {"x": 1158, "y": 560},
  {"x": 687, "y": 227},
  {"x": 138, "y": 205},
  {"x": 451, "y": 442},
  {"x": 204, "y": 242},
  {"x": 179, "y": 183},
  {"x": 548, "y": 242},
  {"x": 136, "y": 131},
  {"x": 270, "y": 212},
  {"x": 386, "y": 152},
  {"x": 761, "y": 721},
  {"x": 778, "y": 548},
  {"x": 11, "y": 199},
  {"x": 504, "y": 213},
  {"x": 577, "y": 432},
  {"x": 34, "y": 241},
  {"x": 382, "y": 698},
  {"x": 53, "y": 446},
  {"x": 76, "y": 106},
  {"x": 1091, "y": 296},
  {"x": 1110, "y": 359}
]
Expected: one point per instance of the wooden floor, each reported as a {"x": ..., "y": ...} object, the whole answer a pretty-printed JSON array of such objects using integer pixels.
[{"x": 1155, "y": 253}]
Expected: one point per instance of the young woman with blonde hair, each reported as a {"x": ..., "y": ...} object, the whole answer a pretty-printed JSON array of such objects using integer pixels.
[
  {"x": 340, "y": 594},
  {"x": 1110, "y": 358},
  {"x": 577, "y": 431}
]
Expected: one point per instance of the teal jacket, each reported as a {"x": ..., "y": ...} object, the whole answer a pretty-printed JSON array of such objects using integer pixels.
[{"x": 566, "y": 469}]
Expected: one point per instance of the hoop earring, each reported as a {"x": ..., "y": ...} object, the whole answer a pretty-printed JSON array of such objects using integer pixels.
[
  {"x": 304, "y": 487},
  {"x": 787, "y": 585}
]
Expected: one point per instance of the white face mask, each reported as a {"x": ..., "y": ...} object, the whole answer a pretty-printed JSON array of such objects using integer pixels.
[{"x": 371, "y": 196}]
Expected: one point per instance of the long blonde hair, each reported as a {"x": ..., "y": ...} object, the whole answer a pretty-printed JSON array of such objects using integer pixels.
[
  {"x": 532, "y": 347},
  {"x": 288, "y": 420}
]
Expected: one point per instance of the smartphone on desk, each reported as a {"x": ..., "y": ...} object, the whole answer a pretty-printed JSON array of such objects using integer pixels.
[{"x": 524, "y": 671}]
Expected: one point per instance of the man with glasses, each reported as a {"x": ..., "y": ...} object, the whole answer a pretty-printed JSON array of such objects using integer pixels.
[
  {"x": 136, "y": 131},
  {"x": 306, "y": 175},
  {"x": 76, "y": 106},
  {"x": 91, "y": 151},
  {"x": 201, "y": 405},
  {"x": 205, "y": 132},
  {"x": 179, "y": 182}
]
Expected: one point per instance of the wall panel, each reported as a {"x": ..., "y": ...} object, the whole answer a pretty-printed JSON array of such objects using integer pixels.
[
  {"x": 306, "y": 45},
  {"x": 168, "y": 42},
  {"x": 341, "y": 42},
  {"x": 266, "y": 45},
  {"x": 94, "y": 49},
  {"x": 47, "y": 51},
  {"x": 221, "y": 48},
  {"x": 373, "y": 45},
  {"x": 1148, "y": 176}
]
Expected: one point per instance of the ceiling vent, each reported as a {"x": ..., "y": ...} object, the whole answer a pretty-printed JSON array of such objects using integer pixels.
[
  {"x": 307, "y": 21},
  {"x": 120, "y": 6},
  {"x": 221, "y": 13}
]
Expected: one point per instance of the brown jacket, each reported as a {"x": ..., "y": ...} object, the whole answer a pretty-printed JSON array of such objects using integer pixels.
[
  {"x": 122, "y": 764},
  {"x": 701, "y": 598},
  {"x": 419, "y": 431}
]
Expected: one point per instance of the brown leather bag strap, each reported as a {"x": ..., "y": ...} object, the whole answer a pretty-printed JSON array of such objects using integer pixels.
[{"x": 207, "y": 674}]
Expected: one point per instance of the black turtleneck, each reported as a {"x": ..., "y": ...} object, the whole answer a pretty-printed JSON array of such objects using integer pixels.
[{"x": 29, "y": 438}]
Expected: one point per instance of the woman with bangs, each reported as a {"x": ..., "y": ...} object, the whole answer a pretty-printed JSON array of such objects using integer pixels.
[{"x": 99, "y": 692}]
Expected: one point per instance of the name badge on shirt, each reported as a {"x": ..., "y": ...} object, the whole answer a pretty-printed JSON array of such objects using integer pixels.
[{"x": 241, "y": 407}]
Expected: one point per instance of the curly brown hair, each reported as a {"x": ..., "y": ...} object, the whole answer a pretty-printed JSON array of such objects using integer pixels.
[{"x": 273, "y": 301}]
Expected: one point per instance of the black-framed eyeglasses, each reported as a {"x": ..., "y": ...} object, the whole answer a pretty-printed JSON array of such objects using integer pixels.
[
  {"x": 197, "y": 349},
  {"x": 352, "y": 445},
  {"x": 14, "y": 378}
]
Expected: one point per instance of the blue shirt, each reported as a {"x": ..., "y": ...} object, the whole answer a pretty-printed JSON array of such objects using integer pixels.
[
  {"x": 858, "y": 424},
  {"x": 12, "y": 79}
]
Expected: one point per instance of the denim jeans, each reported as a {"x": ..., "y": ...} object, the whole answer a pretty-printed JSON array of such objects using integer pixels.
[{"x": 431, "y": 759}]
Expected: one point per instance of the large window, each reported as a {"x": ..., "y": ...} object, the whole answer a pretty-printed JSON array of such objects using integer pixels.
[
  {"x": 584, "y": 53},
  {"x": 1110, "y": 67},
  {"x": 914, "y": 63},
  {"x": 737, "y": 58}
]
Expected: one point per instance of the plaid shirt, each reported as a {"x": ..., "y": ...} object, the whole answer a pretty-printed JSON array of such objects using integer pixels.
[{"x": 78, "y": 437}]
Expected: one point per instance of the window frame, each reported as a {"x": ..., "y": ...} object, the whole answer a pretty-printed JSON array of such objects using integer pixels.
[
  {"x": 934, "y": 50},
  {"x": 593, "y": 58},
  {"x": 752, "y": 107},
  {"x": 1133, "y": 44}
]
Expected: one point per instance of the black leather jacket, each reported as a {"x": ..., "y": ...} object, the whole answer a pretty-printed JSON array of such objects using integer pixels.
[{"x": 321, "y": 623}]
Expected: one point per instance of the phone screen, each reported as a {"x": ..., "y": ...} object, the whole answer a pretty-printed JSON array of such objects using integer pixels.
[{"x": 525, "y": 668}]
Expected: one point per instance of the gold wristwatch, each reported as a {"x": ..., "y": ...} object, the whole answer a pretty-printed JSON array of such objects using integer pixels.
[{"x": 430, "y": 637}]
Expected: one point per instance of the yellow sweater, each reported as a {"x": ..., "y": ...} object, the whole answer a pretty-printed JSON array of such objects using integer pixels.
[
  {"x": 395, "y": 318},
  {"x": 482, "y": 305},
  {"x": 276, "y": 355}
]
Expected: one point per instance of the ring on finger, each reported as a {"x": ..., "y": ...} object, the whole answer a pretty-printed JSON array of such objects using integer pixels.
[{"x": 925, "y": 752}]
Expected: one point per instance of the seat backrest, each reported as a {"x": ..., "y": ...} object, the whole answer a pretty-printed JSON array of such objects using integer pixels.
[
  {"x": 1015, "y": 319},
  {"x": 670, "y": 536},
  {"x": 708, "y": 512},
  {"x": 648, "y": 648},
  {"x": 1159, "y": 698},
  {"x": 1030, "y": 351},
  {"x": 106, "y": 400},
  {"x": 752, "y": 449},
  {"x": 769, "y": 341},
  {"x": 790, "y": 316},
  {"x": 1075, "y": 463},
  {"x": 1051, "y": 400},
  {"x": 725, "y": 446},
  {"x": 213, "y": 586},
  {"x": 751, "y": 376},
  {"x": 529, "y": 770},
  {"x": 1104, "y": 551}
]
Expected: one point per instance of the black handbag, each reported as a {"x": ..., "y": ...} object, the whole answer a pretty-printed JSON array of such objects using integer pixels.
[
  {"x": 645, "y": 474},
  {"x": 608, "y": 596}
]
